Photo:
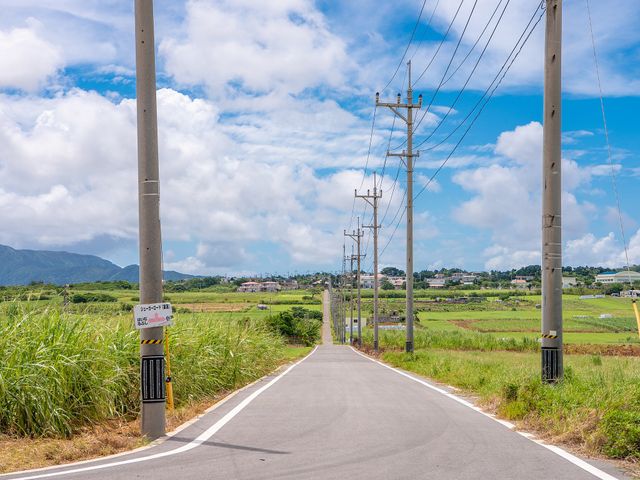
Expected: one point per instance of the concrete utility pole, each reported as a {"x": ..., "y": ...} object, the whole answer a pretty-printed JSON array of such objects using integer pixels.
[
  {"x": 351, "y": 259},
  {"x": 407, "y": 158},
  {"x": 343, "y": 286},
  {"x": 152, "y": 354},
  {"x": 373, "y": 201},
  {"x": 357, "y": 237},
  {"x": 552, "y": 368}
]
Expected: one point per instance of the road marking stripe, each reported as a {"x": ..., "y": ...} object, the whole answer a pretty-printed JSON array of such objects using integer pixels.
[
  {"x": 596, "y": 472},
  {"x": 203, "y": 437}
]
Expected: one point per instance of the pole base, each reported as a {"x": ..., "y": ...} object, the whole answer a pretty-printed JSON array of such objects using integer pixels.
[
  {"x": 375, "y": 345},
  {"x": 551, "y": 364},
  {"x": 409, "y": 347}
]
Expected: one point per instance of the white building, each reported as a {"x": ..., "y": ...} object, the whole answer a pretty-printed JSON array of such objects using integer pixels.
[
  {"x": 436, "y": 282},
  {"x": 617, "y": 277},
  {"x": 397, "y": 282},
  {"x": 569, "y": 282},
  {"x": 366, "y": 281},
  {"x": 249, "y": 287},
  {"x": 259, "y": 287}
]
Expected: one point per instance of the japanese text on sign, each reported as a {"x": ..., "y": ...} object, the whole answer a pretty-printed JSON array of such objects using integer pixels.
[{"x": 153, "y": 315}]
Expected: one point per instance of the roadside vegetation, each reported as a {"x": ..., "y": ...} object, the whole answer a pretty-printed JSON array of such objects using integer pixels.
[
  {"x": 298, "y": 325},
  {"x": 595, "y": 408},
  {"x": 489, "y": 349},
  {"x": 69, "y": 374},
  {"x": 61, "y": 372}
]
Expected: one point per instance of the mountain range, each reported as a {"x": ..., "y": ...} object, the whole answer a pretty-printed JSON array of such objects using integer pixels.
[{"x": 21, "y": 267}]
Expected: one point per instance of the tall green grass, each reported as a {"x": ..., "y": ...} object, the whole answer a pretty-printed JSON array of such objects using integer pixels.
[
  {"x": 451, "y": 340},
  {"x": 60, "y": 372}
]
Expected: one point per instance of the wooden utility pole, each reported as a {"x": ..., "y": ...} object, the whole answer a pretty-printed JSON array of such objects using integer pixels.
[
  {"x": 372, "y": 199},
  {"x": 152, "y": 354},
  {"x": 552, "y": 362},
  {"x": 407, "y": 157}
]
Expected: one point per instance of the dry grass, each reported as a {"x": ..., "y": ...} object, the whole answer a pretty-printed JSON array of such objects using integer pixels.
[
  {"x": 107, "y": 438},
  {"x": 104, "y": 439}
]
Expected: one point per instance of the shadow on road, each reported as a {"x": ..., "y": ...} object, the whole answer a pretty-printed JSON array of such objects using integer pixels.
[{"x": 229, "y": 445}]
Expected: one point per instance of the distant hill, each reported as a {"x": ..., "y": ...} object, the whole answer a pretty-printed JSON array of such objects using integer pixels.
[{"x": 21, "y": 267}]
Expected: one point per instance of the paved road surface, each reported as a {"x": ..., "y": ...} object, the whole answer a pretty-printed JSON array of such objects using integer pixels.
[{"x": 338, "y": 415}]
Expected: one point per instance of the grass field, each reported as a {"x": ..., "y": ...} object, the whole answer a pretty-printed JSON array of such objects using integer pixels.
[{"x": 520, "y": 318}]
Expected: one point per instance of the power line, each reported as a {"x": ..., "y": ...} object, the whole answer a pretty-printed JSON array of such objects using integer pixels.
[
  {"x": 364, "y": 173},
  {"x": 444, "y": 38},
  {"x": 393, "y": 189},
  {"x": 606, "y": 136},
  {"x": 448, "y": 66},
  {"x": 433, "y": 12},
  {"x": 413, "y": 32},
  {"x": 481, "y": 108},
  {"x": 476, "y": 42},
  {"x": 466, "y": 83},
  {"x": 455, "y": 52},
  {"x": 495, "y": 78},
  {"x": 393, "y": 233}
]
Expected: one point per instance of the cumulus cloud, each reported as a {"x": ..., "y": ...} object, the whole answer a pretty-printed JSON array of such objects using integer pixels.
[
  {"x": 68, "y": 174},
  {"x": 27, "y": 60},
  {"x": 605, "y": 251},
  {"x": 506, "y": 198},
  {"x": 578, "y": 65},
  {"x": 257, "y": 46}
]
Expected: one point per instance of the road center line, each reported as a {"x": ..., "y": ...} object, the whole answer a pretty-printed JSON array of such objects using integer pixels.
[
  {"x": 578, "y": 462},
  {"x": 203, "y": 437}
]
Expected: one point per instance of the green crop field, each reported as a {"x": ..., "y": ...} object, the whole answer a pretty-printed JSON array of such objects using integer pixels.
[{"x": 520, "y": 317}]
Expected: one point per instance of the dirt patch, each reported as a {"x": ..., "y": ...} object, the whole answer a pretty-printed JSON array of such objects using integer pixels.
[
  {"x": 606, "y": 350},
  {"x": 215, "y": 307},
  {"x": 466, "y": 324}
]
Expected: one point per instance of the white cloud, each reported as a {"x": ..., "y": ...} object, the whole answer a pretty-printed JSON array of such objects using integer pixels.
[
  {"x": 506, "y": 198},
  {"x": 257, "y": 46},
  {"x": 527, "y": 72},
  {"x": 27, "y": 60},
  {"x": 68, "y": 165},
  {"x": 606, "y": 251}
]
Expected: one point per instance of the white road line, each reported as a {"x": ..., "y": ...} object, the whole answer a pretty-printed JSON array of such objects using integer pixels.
[
  {"x": 596, "y": 472},
  {"x": 203, "y": 437}
]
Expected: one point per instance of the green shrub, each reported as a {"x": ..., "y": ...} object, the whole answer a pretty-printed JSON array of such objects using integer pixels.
[
  {"x": 298, "y": 325},
  {"x": 92, "y": 298}
]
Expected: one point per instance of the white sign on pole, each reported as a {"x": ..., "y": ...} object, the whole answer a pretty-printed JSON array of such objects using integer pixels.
[{"x": 153, "y": 315}]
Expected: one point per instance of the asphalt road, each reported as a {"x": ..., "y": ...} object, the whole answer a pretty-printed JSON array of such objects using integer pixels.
[{"x": 338, "y": 415}]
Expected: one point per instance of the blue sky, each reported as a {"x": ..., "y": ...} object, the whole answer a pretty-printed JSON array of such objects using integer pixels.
[{"x": 265, "y": 116}]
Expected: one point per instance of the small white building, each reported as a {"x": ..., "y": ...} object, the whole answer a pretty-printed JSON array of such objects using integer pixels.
[
  {"x": 259, "y": 287},
  {"x": 397, "y": 282},
  {"x": 569, "y": 282},
  {"x": 618, "y": 277},
  {"x": 366, "y": 281},
  {"x": 436, "y": 282},
  {"x": 249, "y": 287}
]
